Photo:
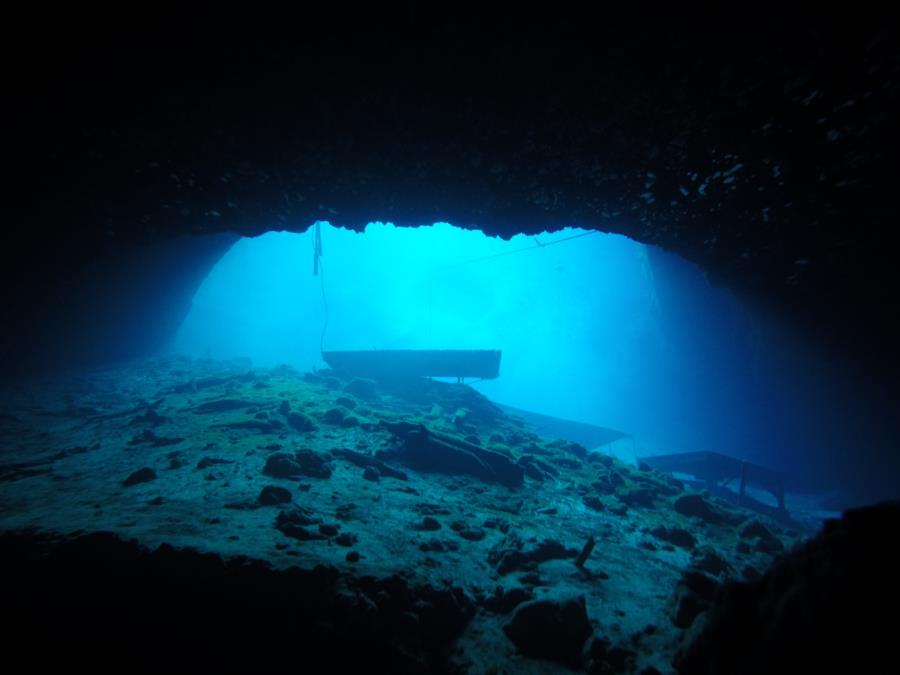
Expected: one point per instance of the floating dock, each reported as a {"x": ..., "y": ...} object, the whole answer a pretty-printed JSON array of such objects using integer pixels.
[{"x": 717, "y": 471}]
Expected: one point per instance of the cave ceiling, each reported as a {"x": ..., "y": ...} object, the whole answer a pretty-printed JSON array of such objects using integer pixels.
[{"x": 760, "y": 146}]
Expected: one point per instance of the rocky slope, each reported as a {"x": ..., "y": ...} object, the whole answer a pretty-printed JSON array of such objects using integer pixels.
[{"x": 408, "y": 523}]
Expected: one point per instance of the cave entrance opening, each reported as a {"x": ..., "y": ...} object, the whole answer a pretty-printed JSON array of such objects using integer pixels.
[{"x": 594, "y": 328}]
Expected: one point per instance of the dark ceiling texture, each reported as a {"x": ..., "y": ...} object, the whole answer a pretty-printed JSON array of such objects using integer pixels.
[{"x": 759, "y": 145}]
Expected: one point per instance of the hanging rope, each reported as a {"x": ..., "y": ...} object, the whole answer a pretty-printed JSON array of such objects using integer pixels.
[
  {"x": 319, "y": 271},
  {"x": 317, "y": 247}
]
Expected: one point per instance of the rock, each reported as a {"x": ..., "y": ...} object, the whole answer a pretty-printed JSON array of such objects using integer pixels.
[
  {"x": 532, "y": 471},
  {"x": 608, "y": 481},
  {"x": 300, "y": 422},
  {"x": 593, "y": 503},
  {"x": 813, "y": 610},
  {"x": 688, "y": 607},
  {"x": 599, "y": 458},
  {"x": 432, "y": 509},
  {"x": 532, "y": 579},
  {"x": 331, "y": 382},
  {"x": 620, "y": 510},
  {"x": 312, "y": 464},
  {"x": 221, "y": 405},
  {"x": 538, "y": 468},
  {"x": 293, "y": 523},
  {"x": 496, "y": 524},
  {"x": 346, "y": 402},
  {"x": 638, "y": 497},
  {"x": 359, "y": 459},
  {"x": 428, "y": 524},
  {"x": 281, "y": 465},
  {"x": 244, "y": 505},
  {"x": 551, "y": 549},
  {"x": 766, "y": 541},
  {"x": 362, "y": 389},
  {"x": 750, "y": 573},
  {"x": 284, "y": 408},
  {"x": 438, "y": 546},
  {"x": 371, "y": 474},
  {"x": 566, "y": 463},
  {"x": 207, "y": 462},
  {"x": 711, "y": 562},
  {"x": 472, "y": 533},
  {"x": 755, "y": 529},
  {"x": 695, "y": 506},
  {"x": 425, "y": 450},
  {"x": 555, "y": 630},
  {"x": 149, "y": 437},
  {"x": 333, "y": 416},
  {"x": 772, "y": 545},
  {"x": 575, "y": 449},
  {"x": 266, "y": 426},
  {"x": 328, "y": 530},
  {"x": 467, "y": 532},
  {"x": 346, "y": 539},
  {"x": 675, "y": 535},
  {"x": 607, "y": 659},
  {"x": 144, "y": 475},
  {"x": 695, "y": 594},
  {"x": 699, "y": 583},
  {"x": 505, "y": 601},
  {"x": 273, "y": 495},
  {"x": 176, "y": 459},
  {"x": 509, "y": 556},
  {"x": 352, "y": 556},
  {"x": 149, "y": 418}
]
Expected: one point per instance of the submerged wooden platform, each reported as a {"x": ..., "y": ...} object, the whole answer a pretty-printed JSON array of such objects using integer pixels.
[
  {"x": 590, "y": 436},
  {"x": 393, "y": 363},
  {"x": 718, "y": 470}
]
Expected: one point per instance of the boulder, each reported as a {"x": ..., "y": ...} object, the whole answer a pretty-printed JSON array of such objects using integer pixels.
[
  {"x": 696, "y": 506},
  {"x": 675, "y": 536},
  {"x": 273, "y": 495},
  {"x": 555, "y": 630}
]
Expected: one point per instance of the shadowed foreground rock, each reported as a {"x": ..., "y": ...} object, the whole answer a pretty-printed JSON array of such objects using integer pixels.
[
  {"x": 549, "y": 629},
  {"x": 829, "y": 606},
  {"x": 110, "y": 605}
]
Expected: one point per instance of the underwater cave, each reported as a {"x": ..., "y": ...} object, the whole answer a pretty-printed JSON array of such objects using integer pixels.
[{"x": 450, "y": 342}]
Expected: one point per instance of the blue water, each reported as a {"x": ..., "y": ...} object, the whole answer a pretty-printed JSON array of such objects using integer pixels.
[{"x": 593, "y": 327}]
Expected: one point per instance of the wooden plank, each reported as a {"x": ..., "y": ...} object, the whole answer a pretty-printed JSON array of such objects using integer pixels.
[{"x": 392, "y": 363}]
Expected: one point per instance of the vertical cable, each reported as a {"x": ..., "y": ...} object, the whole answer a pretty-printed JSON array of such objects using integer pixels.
[{"x": 317, "y": 268}]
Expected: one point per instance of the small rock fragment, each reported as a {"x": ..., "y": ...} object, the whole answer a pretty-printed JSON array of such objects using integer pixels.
[{"x": 144, "y": 475}]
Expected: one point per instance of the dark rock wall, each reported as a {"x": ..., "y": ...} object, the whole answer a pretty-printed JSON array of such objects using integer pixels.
[
  {"x": 760, "y": 145},
  {"x": 821, "y": 608},
  {"x": 69, "y": 303}
]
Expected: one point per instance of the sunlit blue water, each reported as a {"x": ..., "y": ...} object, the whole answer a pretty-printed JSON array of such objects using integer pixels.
[{"x": 595, "y": 328}]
